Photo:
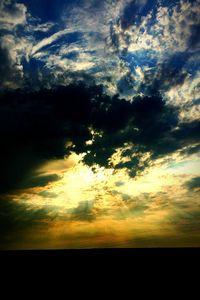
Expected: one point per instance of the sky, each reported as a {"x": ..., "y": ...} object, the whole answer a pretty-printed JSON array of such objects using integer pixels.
[{"x": 99, "y": 124}]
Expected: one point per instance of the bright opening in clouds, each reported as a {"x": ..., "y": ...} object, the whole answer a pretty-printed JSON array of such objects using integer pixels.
[{"x": 99, "y": 123}]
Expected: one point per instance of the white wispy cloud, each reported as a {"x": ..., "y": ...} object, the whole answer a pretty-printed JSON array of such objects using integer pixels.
[{"x": 49, "y": 40}]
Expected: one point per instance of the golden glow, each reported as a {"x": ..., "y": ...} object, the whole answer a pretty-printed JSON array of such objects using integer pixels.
[{"x": 108, "y": 208}]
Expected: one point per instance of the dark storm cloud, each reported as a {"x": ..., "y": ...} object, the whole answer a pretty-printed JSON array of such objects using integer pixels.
[
  {"x": 147, "y": 122},
  {"x": 35, "y": 127},
  {"x": 194, "y": 183}
]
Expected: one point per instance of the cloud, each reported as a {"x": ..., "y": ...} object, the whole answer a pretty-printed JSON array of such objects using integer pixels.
[
  {"x": 157, "y": 38},
  {"x": 12, "y": 14},
  {"x": 161, "y": 27},
  {"x": 13, "y": 51},
  {"x": 41, "y": 27},
  {"x": 145, "y": 125},
  {"x": 82, "y": 27},
  {"x": 35, "y": 127},
  {"x": 134, "y": 11},
  {"x": 83, "y": 212},
  {"x": 49, "y": 40},
  {"x": 39, "y": 181},
  {"x": 109, "y": 91},
  {"x": 105, "y": 49},
  {"x": 29, "y": 137},
  {"x": 17, "y": 222},
  {"x": 9, "y": 73},
  {"x": 121, "y": 44},
  {"x": 185, "y": 95},
  {"x": 194, "y": 183}
]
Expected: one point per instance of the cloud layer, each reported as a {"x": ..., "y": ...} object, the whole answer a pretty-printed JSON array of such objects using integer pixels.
[
  {"x": 99, "y": 123},
  {"x": 39, "y": 126}
]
